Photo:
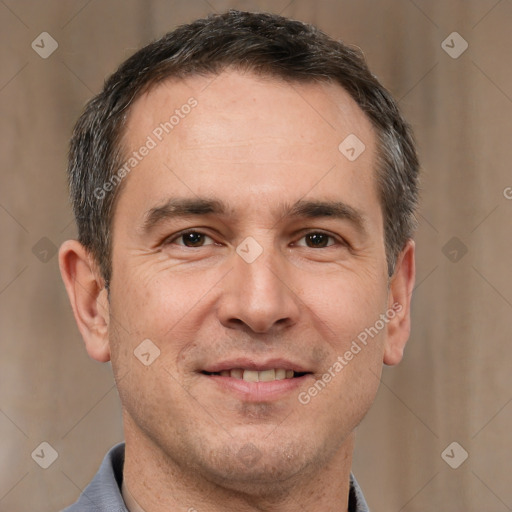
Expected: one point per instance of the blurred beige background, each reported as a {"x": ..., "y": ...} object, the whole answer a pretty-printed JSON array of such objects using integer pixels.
[{"x": 455, "y": 383}]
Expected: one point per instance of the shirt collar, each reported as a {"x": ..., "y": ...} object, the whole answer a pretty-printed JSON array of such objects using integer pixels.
[
  {"x": 105, "y": 492},
  {"x": 356, "y": 501}
]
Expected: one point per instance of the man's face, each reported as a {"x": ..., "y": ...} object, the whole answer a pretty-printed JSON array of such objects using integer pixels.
[{"x": 261, "y": 285}]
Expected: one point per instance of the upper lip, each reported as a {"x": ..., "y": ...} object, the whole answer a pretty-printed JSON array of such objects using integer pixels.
[{"x": 252, "y": 364}]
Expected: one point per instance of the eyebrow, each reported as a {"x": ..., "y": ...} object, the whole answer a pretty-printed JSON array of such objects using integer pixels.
[{"x": 195, "y": 207}]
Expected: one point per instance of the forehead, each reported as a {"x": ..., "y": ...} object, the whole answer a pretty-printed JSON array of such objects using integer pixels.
[
  {"x": 230, "y": 134},
  {"x": 233, "y": 97}
]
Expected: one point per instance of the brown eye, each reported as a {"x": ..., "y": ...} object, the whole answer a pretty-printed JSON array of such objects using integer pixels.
[
  {"x": 190, "y": 239},
  {"x": 317, "y": 240}
]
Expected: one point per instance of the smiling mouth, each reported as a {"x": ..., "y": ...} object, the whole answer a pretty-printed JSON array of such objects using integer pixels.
[{"x": 258, "y": 376}]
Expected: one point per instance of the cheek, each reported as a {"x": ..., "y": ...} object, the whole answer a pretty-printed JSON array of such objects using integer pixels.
[
  {"x": 346, "y": 310},
  {"x": 164, "y": 304},
  {"x": 148, "y": 300},
  {"x": 346, "y": 307},
  {"x": 344, "y": 303}
]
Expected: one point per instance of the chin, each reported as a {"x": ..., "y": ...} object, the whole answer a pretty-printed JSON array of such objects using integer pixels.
[{"x": 256, "y": 466}]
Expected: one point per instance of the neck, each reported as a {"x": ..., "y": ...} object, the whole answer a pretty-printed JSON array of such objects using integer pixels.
[{"x": 157, "y": 483}]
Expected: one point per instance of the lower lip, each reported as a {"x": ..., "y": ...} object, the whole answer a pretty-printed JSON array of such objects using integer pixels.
[{"x": 258, "y": 391}]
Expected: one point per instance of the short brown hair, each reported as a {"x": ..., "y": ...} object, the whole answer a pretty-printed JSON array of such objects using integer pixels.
[{"x": 267, "y": 44}]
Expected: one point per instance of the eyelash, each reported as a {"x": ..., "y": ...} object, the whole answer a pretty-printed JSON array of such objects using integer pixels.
[{"x": 173, "y": 238}]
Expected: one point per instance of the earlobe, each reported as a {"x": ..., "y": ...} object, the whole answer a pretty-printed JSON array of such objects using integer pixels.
[
  {"x": 399, "y": 301},
  {"x": 88, "y": 297}
]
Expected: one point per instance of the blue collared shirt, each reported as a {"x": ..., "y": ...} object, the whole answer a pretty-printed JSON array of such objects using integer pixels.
[{"x": 103, "y": 494}]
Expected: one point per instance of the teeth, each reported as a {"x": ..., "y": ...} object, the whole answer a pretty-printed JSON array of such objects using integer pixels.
[
  {"x": 237, "y": 373},
  {"x": 251, "y": 376},
  {"x": 267, "y": 375},
  {"x": 280, "y": 374},
  {"x": 256, "y": 376}
]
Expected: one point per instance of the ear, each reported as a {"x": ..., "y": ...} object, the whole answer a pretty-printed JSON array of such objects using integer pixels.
[
  {"x": 88, "y": 297},
  {"x": 399, "y": 301}
]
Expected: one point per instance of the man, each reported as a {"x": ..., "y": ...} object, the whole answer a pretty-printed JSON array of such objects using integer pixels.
[{"x": 245, "y": 191}]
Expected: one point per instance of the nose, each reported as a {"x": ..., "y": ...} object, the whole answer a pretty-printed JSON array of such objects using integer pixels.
[{"x": 259, "y": 295}]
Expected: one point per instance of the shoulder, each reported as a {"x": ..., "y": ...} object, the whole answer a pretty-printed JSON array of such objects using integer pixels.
[{"x": 104, "y": 491}]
